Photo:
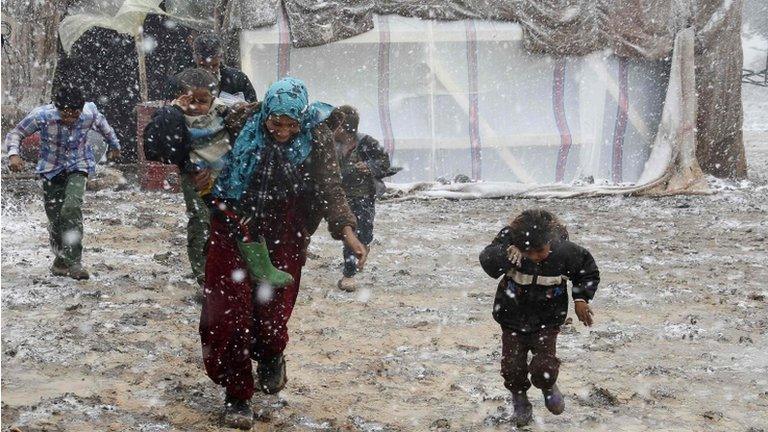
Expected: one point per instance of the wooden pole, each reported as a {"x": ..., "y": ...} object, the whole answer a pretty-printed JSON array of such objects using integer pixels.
[{"x": 142, "y": 57}]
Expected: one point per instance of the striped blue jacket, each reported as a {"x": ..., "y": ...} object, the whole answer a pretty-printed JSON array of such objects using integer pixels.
[{"x": 62, "y": 148}]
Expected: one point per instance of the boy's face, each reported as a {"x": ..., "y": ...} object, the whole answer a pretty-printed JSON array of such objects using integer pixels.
[
  {"x": 282, "y": 128},
  {"x": 196, "y": 102},
  {"x": 538, "y": 255},
  {"x": 211, "y": 64},
  {"x": 69, "y": 116}
]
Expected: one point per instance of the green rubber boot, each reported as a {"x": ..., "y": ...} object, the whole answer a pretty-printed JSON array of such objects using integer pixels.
[{"x": 260, "y": 267}]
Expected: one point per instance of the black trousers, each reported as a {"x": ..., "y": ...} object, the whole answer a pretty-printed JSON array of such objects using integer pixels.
[
  {"x": 544, "y": 365},
  {"x": 364, "y": 209}
]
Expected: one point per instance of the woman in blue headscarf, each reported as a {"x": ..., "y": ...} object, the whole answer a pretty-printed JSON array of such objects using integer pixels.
[{"x": 280, "y": 180}]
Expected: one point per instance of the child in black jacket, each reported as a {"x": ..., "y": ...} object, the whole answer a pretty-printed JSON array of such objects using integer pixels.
[{"x": 536, "y": 258}]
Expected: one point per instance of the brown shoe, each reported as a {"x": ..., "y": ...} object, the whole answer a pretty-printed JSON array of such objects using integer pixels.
[
  {"x": 347, "y": 284},
  {"x": 77, "y": 272},
  {"x": 59, "y": 268}
]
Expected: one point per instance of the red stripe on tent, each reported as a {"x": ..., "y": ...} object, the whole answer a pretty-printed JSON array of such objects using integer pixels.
[
  {"x": 384, "y": 112},
  {"x": 284, "y": 47},
  {"x": 474, "y": 106},
  {"x": 620, "y": 128},
  {"x": 558, "y": 104}
]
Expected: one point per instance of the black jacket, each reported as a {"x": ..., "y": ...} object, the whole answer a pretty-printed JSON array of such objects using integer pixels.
[
  {"x": 166, "y": 137},
  {"x": 167, "y": 140},
  {"x": 532, "y": 296},
  {"x": 234, "y": 81},
  {"x": 368, "y": 150}
]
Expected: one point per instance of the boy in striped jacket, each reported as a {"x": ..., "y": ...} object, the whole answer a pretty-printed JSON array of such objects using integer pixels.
[{"x": 66, "y": 160}]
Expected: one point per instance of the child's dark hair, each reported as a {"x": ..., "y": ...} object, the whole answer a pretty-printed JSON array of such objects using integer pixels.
[
  {"x": 68, "y": 97},
  {"x": 535, "y": 228},
  {"x": 207, "y": 45},
  {"x": 193, "y": 78},
  {"x": 335, "y": 119},
  {"x": 351, "y": 118}
]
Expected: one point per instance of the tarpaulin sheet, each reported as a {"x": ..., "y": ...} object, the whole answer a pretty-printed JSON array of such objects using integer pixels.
[{"x": 464, "y": 97}]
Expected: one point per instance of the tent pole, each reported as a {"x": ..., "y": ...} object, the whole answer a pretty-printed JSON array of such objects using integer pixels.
[
  {"x": 142, "y": 57},
  {"x": 486, "y": 129},
  {"x": 432, "y": 90}
]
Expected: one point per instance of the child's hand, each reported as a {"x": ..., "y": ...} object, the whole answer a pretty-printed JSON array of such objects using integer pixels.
[
  {"x": 202, "y": 179},
  {"x": 363, "y": 167},
  {"x": 184, "y": 101},
  {"x": 514, "y": 255},
  {"x": 15, "y": 163},
  {"x": 113, "y": 155},
  {"x": 584, "y": 312}
]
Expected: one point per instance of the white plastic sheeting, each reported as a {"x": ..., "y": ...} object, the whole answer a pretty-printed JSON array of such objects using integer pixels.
[
  {"x": 671, "y": 168},
  {"x": 125, "y": 17},
  {"x": 464, "y": 97}
]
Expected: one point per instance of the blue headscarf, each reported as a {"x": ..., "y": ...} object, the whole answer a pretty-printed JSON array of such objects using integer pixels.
[{"x": 285, "y": 97}]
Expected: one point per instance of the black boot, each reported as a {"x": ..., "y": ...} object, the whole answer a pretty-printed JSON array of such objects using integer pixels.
[
  {"x": 238, "y": 413},
  {"x": 523, "y": 410},
  {"x": 271, "y": 373},
  {"x": 554, "y": 400}
]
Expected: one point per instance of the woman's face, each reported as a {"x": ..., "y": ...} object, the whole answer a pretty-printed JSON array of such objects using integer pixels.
[{"x": 282, "y": 128}]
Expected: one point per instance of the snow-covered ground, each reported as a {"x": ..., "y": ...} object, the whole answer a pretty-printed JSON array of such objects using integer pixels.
[{"x": 679, "y": 340}]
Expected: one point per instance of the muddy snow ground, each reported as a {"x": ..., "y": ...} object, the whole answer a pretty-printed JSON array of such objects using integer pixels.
[{"x": 679, "y": 341}]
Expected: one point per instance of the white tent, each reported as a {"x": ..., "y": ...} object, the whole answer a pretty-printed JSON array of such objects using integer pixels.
[{"x": 464, "y": 97}]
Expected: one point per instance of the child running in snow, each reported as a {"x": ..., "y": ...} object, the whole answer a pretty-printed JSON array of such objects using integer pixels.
[
  {"x": 537, "y": 259},
  {"x": 66, "y": 161},
  {"x": 363, "y": 163}
]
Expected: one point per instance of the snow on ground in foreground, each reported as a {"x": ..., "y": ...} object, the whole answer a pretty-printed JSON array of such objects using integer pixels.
[{"x": 678, "y": 344}]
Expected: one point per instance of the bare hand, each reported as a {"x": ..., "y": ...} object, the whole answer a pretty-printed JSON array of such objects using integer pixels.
[
  {"x": 15, "y": 163},
  {"x": 202, "y": 179},
  {"x": 363, "y": 167},
  {"x": 584, "y": 312},
  {"x": 113, "y": 155},
  {"x": 514, "y": 255},
  {"x": 353, "y": 243},
  {"x": 184, "y": 101}
]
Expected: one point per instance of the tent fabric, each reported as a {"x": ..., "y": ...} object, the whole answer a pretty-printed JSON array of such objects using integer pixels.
[
  {"x": 313, "y": 23},
  {"x": 250, "y": 14},
  {"x": 465, "y": 97},
  {"x": 719, "y": 59},
  {"x": 128, "y": 19},
  {"x": 449, "y": 10},
  {"x": 28, "y": 55},
  {"x": 631, "y": 28},
  {"x": 672, "y": 167}
]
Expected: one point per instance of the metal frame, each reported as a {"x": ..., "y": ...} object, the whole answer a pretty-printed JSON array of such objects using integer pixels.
[{"x": 758, "y": 78}]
